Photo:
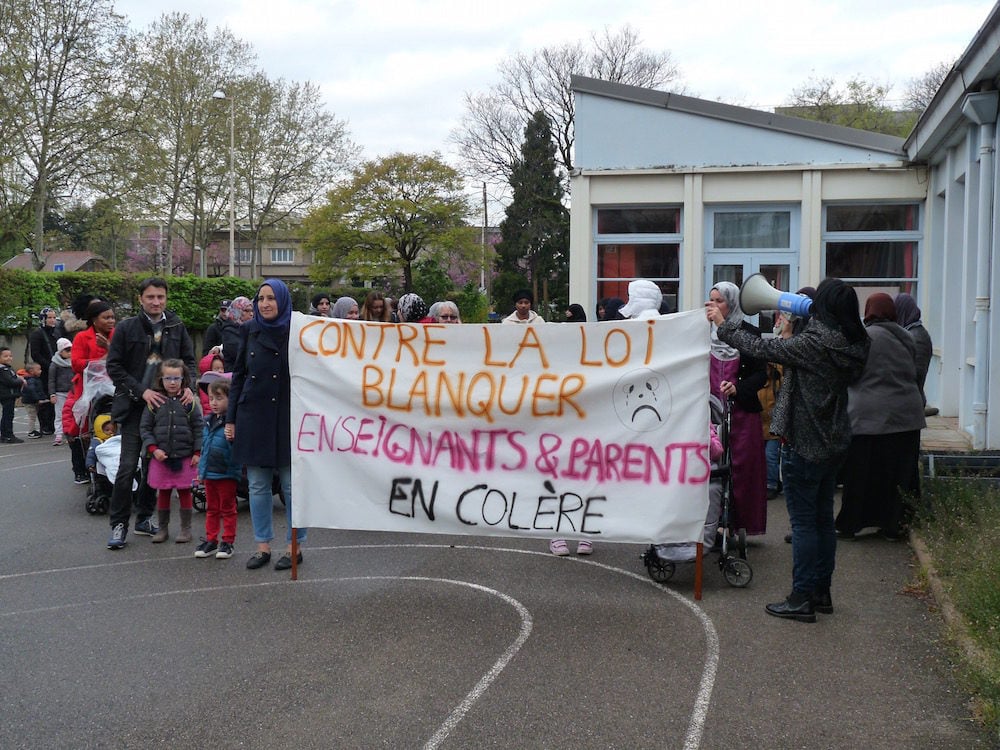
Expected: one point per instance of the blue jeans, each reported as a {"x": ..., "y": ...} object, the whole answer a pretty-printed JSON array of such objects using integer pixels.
[
  {"x": 809, "y": 489},
  {"x": 262, "y": 502},
  {"x": 772, "y": 451}
]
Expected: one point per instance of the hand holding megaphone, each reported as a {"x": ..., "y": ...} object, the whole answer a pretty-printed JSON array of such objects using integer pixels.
[{"x": 757, "y": 294}]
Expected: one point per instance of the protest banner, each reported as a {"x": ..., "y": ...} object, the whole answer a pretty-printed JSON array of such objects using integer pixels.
[{"x": 589, "y": 431}]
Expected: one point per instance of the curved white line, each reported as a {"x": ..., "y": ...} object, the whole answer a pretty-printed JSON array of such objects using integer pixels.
[
  {"x": 696, "y": 727},
  {"x": 457, "y": 714}
]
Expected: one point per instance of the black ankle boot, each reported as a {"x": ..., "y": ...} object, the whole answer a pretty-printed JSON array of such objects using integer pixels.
[
  {"x": 795, "y": 607},
  {"x": 822, "y": 602}
]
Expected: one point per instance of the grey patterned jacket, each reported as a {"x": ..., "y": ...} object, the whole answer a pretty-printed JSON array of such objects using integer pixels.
[{"x": 811, "y": 410}]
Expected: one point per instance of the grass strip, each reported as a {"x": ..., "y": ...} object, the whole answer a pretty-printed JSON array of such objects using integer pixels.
[{"x": 959, "y": 522}]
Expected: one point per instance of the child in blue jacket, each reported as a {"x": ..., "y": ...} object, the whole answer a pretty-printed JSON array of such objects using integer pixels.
[{"x": 219, "y": 475}]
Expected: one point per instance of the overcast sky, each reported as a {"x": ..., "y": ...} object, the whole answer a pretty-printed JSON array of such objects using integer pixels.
[{"x": 398, "y": 71}]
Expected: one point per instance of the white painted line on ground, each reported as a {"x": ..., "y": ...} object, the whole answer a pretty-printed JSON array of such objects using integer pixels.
[
  {"x": 31, "y": 466},
  {"x": 696, "y": 725}
]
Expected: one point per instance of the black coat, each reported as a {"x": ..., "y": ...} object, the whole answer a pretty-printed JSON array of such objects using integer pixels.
[
  {"x": 129, "y": 352},
  {"x": 260, "y": 399},
  {"x": 231, "y": 342},
  {"x": 213, "y": 335},
  {"x": 174, "y": 428},
  {"x": 752, "y": 376},
  {"x": 10, "y": 384},
  {"x": 42, "y": 343}
]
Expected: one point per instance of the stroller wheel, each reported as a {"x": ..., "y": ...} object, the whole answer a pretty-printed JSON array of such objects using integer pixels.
[
  {"x": 198, "y": 498},
  {"x": 659, "y": 570},
  {"x": 741, "y": 543},
  {"x": 97, "y": 504},
  {"x": 738, "y": 573}
]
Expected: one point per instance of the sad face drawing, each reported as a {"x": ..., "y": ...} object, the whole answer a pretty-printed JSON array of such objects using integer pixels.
[{"x": 642, "y": 400}]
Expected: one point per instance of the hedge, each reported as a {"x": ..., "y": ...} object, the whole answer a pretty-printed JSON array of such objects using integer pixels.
[{"x": 24, "y": 293}]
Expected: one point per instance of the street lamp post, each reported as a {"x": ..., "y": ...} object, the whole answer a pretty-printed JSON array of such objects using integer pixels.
[{"x": 220, "y": 94}]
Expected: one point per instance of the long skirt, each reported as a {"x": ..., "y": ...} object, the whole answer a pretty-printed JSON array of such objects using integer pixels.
[
  {"x": 749, "y": 465},
  {"x": 880, "y": 471}
]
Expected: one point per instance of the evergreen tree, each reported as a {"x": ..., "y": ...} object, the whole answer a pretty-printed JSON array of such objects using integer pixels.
[{"x": 534, "y": 251}]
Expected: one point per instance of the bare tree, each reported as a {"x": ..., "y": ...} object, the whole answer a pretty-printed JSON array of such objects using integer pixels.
[
  {"x": 60, "y": 62},
  {"x": 292, "y": 149},
  {"x": 177, "y": 157},
  {"x": 489, "y": 137},
  {"x": 920, "y": 90},
  {"x": 858, "y": 104}
]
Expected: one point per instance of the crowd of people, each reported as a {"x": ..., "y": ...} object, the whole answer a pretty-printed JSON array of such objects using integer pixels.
[{"x": 832, "y": 397}]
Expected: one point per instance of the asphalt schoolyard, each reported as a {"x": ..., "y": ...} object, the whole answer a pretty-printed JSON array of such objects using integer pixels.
[{"x": 390, "y": 641}]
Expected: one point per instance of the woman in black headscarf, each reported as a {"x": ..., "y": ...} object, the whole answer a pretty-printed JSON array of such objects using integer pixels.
[
  {"x": 908, "y": 316},
  {"x": 887, "y": 414},
  {"x": 575, "y": 314},
  {"x": 811, "y": 416}
]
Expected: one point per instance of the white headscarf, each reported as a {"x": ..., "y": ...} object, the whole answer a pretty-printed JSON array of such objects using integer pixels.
[
  {"x": 731, "y": 294},
  {"x": 644, "y": 296}
]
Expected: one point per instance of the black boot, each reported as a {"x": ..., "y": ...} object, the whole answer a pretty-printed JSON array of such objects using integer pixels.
[
  {"x": 795, "y": 607},
  {"x": 822, "y": 601}
]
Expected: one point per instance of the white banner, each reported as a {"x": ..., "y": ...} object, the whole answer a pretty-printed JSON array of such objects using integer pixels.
[{"x": 588, "y": 431}]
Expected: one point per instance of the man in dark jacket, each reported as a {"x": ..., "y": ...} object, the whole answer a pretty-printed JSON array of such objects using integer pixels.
[
  {"x": 213, "y": 334},
  {"x": 42, "y": 343},
  {"x": 138, "y": 346}
]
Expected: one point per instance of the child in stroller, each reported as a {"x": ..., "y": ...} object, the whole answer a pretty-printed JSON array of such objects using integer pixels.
[
  {"x": 661, "y": 559},
  {"x": 103, "y": 455}
]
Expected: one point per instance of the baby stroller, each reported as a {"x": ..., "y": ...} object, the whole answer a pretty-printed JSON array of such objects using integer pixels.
[
  {"x": 242, "y": 491},
  {"x": 661, "y": 559},
  {"x": 95, "y": 428}
]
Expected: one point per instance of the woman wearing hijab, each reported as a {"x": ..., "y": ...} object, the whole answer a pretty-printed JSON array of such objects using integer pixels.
[
  {"x": 811, "y": 417},
  {"x": 412, "y": 309},
  {"x": 240, "y": 310},
  {"x": 644, "y": 300},
  {"x": 259, "y": 418},
  {"x": 575, "y": 314},
  {"x": 345, "y": 308},
  {"x": 887, "y": 414},
  {"x": 612, "y": 309},
  {"x": 908, "y": 316},
  {"x": 320, "y": 305},
  {"x": 738, "y": 378}
]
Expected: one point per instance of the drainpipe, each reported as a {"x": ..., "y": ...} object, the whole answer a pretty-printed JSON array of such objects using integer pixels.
[{"x": 981, "y": 108}]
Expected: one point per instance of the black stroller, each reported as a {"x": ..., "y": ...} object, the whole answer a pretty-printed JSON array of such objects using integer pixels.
[
  {"x": 95, "y": 428},
  {"x": 242, "y": 492},
  {"x": 661, "y": 559}
]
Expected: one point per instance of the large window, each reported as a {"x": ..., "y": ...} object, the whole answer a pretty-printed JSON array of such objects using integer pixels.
[
  {"x": 244, "y": 256},
  {"x": 738, "y": 230},
  {"x": 639, "y": 243},
  {"x": 282, "y": 255},
  {"x": 872, "y": 246}
]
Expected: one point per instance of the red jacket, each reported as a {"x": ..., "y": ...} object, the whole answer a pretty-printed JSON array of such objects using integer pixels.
[{"x": 85, "y": 350}]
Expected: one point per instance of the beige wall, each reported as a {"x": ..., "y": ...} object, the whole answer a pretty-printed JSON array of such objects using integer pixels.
[{"x": 808, "y": 187}]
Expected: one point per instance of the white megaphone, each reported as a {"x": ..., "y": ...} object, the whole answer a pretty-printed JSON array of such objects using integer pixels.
[{"x": 757, "y": 294}]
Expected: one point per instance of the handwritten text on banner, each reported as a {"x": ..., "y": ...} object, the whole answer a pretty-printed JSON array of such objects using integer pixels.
[{"x": 594, "y": 430}]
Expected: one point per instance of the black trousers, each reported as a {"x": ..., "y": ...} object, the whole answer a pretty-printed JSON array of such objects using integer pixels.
[
  {"x": 121, "y": 499},
  {"x": 47, "y": 418}
]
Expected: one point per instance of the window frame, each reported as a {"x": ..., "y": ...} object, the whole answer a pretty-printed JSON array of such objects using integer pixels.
[
  {"x": 913, "y": 236},
  {"x": 651, "y": 238},
  {"x": 275, "y": 262}
]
